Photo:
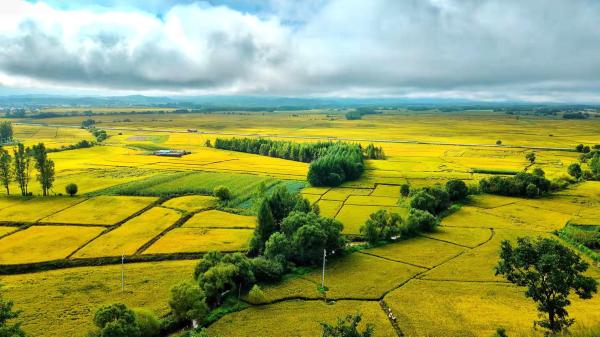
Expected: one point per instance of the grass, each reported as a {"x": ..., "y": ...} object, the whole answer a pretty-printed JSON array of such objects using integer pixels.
[
  {"x": 101, "y": 210},
  {"x": 191, "y": 203},
  {"x": 298, "y": 319},
  {"x": 220, "y": 219},
  {"x": 44, "y": 243},
  {"x": 131, "y": 235},
  {"x": 419, "y": 251},
  {"x": 201, "y": 240},
  {"x": 63, "y": 302}
]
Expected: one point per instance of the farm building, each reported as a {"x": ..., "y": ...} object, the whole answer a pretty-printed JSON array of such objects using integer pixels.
[{"x": 171, "y": 153}]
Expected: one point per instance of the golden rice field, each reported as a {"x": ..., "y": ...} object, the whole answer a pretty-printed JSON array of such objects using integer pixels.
[{"x": 439, "y": 284}]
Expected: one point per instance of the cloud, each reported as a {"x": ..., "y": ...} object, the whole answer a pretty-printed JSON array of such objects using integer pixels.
[{"x": 489, "y": 49}]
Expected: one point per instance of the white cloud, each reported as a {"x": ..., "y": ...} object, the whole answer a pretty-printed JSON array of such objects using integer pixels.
[{"x": 492, "y": 49}]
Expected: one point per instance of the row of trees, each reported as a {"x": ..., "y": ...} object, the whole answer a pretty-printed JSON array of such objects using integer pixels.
[
  {"x": 530, "y": 185},
  {"x": 18, "y": 167},
  {"x": 332, "y": 163}
]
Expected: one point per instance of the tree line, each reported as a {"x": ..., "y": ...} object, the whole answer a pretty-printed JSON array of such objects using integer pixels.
[
  {"x": 332, "y": 163},
  {"x": 18, "y": 168}
]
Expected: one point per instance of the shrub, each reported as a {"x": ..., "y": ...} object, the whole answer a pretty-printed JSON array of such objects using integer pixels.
[
  {"x": 266, "y": 270},
  {"x": 575, "y": 171},
  {"x": 256, "y": 295},
  {"x": 532, "y": 191},
  {"x": 71, "y": 189},
  {"x": 404, "y": 190},
  {"x": 116, "y": 320},
  {"x": 381, "y": 225},
  {"x": 422, "y": 220},
  {"x": 187, "y": 302},
  {"x": 538, "y": 172},
  {"x": 222, "y": 192},
  {"x": 498, "y": 142},
  {"x": 148, "y": 323},
  {"x": 457, "y": 189}
]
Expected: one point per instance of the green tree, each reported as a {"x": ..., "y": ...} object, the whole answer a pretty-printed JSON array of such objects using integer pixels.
[
  {"x": 530, "y": 156},
  {"x": 6, "y": 132},
  {"x": 12, "y": 329},
  {"x": 347, "y": 327},
  {"x": 574, "y": 170},
  {"x": 116, "y": 320},
  {"x": 71, "y": 189},
  {"x": 44, "y": 166},
  {"x": 538, "y": 172},
  {"x": 422, "y": 221},
  {"x": 457, "y": 189},
  {"x": 595, "y": 165},
  {"x": 6, "y": 170},
  {"x": 148, "y": 322},
  {"x": 22, "y": 161},
  {"x": 265, "y": 226},
  {"x": 216, "y": 281},
  {"x": 381, "y": 225},
  {"x": 579, "y": 148},
  {"x": 222, "y": 192},
  {"x": 278, "y": 247},
  {"x": 187, "y": 302},
  {"x": 550, "y": 271},
  {"x": 404, "y": 190}
]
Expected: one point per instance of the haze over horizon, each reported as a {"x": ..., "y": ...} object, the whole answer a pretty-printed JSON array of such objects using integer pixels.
[{"x": 492, "y": 50}]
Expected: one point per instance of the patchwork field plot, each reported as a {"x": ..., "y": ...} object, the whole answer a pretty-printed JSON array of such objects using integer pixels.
[
  {"x": 418, "y": 251},
  {"x": 101, "y": 210},
  {"x": 194, "y": 240},
  {"x": 371, "y": 201},
  {"x": 469, "y": 237},
  {"x": 7, "y": 229},
  {"x": 130, "y": 236},
  {"x": 219, "y": 219},
  {"x": 61, "y": 302},
  {"x": 191, "y": 203},
  {"x": 298, "y": 319},
  {"x": 44, "y": 243},
  {"x": 426, "y": 308},
  {"x": 34, "y": 209},
  {"x": 354, "y": 216},
  {"x": 330, "y": 208},
  {"x": 341, "y": 194}
]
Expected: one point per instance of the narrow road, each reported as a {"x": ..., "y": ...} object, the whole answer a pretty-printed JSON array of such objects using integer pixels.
[{"x": 390, "y": 141}]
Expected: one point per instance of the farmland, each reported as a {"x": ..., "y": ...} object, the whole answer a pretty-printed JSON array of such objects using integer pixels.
[{"x": 148, "y": 209}]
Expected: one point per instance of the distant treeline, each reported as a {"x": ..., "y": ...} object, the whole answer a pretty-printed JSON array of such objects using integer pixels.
[
  {"x": 359, "y": 112},
  {"x": 332, "y": 163}
]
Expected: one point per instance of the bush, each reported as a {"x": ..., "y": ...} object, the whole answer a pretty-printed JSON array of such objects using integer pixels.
[
  {"x": 404, "y": 190},
  {"x": 256, "y": 295},
  {"x": 532, "y": 191},
  {"x": 498, "y": 142},
  {"x": 222, "y": 192},
  {"x": 116, "y": 320},
  {"x": 575, "y": 171},
  {"x": 457, "y": 189},
  {"x": 267, "y": 271},
  {"x": 538, "y": 172},
  {"x": 422, "y": 220},
  {"x": 381, "y": 226},
  {"x": 71, "y": 189},
  {"x": 432, "y": 199},
  {"x": 187, "y": 302},
  {"x": 148, "y": 323}
]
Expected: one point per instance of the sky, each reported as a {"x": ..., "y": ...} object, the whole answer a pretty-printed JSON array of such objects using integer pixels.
[{"x": 484, "y": 50}]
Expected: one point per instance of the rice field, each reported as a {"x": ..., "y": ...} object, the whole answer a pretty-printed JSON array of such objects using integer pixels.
[
  {"x": 201, "y": 240},
  {"x": 439, "y": 284},
  {"x": 100, "y": 210},
  {"x": 44, "y": 243},
  {"x": 132, "y": 235}
]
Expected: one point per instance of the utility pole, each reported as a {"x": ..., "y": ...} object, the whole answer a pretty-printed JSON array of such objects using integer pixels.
[{"x": 323, "y": 278}]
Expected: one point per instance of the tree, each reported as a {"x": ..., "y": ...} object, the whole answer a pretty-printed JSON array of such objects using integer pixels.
[
  {"x": 538, "y": 172},
  {"x": 12, "y": 329},
  {"x": 148, "y": 322},
  {"x": 278, "y": 247},
  {"x": 381, "y": 225},
  {"x": 550, "y": 271},
  {"x": 6, "y": 170},
  {"x": 71, "y": 189},
  {"x": 187, "y": 302},
  {"x": 22, "y": 161},
  {"x": 532, "y": 191},
  {"x": 595, "y": 165},
  {"x": 347, "y": 327},
  {"x": 531, "y": 157},
  {"x": 44, "y": 166},
  {"x": 6, "y": 132},
  {"x": 498, "y": 142},
  {"x": 222, "y": 192},
  {"x": 421, "y": 220},
  {"x": 574, "y": 170},
  {"x": 256, "y": 295},
  {"x": 116, "y": 320},
  {"x": 457, "y": 189},
  {"x": 404, "y": 190},
  {"x": 579, "y": 148},
  {"x": 265, "y": 226}
]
